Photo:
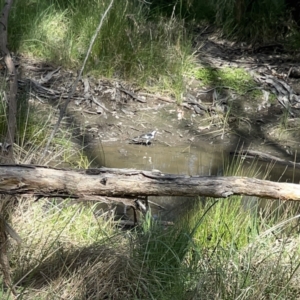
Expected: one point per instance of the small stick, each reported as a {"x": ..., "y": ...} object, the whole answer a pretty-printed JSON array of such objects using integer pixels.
[{"x": 158, "y": 97}]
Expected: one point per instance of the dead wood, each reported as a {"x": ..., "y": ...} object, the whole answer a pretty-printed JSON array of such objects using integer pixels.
[
  {"x": 132, "y": 223},
  {"x": 132, "y": 95},
  {"x": 267, "y": 158},
  {"x": 94, "y": 184},
  {"x": 13, "y": 83},
  {"x": 166, "y": 99}
]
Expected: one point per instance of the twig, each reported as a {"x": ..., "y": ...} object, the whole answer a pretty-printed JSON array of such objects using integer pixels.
[
  {"x": 89, "y": 112},
  {"x": 99, "y": 104},
  {"x": 132, "y": 223},
  {"x": 132, "y": 95},
  {"x": 63, "y": 110},
  {"x": 158, "y": 97}
]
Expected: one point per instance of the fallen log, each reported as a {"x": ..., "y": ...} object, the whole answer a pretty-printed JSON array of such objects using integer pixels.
[
  {"x": 105, "y": 184},
  {"x": 266, "y": 158}
]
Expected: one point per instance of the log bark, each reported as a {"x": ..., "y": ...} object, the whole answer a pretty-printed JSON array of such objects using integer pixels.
[{"x": 103, "y": 183}]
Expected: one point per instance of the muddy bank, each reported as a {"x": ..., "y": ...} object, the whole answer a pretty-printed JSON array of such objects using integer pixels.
[{"x": 191, "y": 135}]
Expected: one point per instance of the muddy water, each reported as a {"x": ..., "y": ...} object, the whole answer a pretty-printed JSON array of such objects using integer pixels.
[{"x": 199, "y": 159}]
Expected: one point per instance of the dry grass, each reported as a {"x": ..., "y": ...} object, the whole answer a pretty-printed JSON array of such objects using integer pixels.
[
  {"x": 55, "y": 263},
  {"x": 72, "y": 251},
  {"x": 266, "y": 269}
]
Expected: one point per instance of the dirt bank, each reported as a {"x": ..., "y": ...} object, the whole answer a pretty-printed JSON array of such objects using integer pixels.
[{"x": 112, "y": 111}]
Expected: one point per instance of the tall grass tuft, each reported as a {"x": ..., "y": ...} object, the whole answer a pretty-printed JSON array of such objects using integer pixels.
[
  {"x": 242, "y": 251},
  {"x": 255, "y": 21},
  {"x": 252, "y": 21},
  {"x": 163, "y": 252},
  {"x": 31, "y": 121},
  {"x": 134, "y": 44}
]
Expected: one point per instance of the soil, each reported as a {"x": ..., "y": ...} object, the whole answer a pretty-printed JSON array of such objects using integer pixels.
[{"x": 114, "y": 112}]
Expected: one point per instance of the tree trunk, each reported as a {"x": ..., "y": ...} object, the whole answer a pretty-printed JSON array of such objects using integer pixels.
[
  {"x": 13, "y": 82},
  {"x": 6, "y": 148}
]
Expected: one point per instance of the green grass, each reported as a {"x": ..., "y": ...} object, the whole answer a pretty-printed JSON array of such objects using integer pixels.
[
  {"x": 146, "y": 44},
  {"x": 272, "y": 98},
  {"x": 251, "y": 21},
  {"x": 284, "y": 119},
  {"x": 218, "y": 248},
  {"x": 193, "y": 10},
  {"x": 31, "y": 121},
  {"x": 134, "y": 44},
  {"x": 244, "y": 20},
  {"x": 234, "y": 78},
  {"x": 57, "y": 232}
]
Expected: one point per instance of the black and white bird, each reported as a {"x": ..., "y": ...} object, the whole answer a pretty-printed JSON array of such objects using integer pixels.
[{"x": 144, "y": 139}]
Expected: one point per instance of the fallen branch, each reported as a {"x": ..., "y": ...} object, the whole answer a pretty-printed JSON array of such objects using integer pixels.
[
  {"x": 132, "y": 95},
  {"x": 158, "y": 97},
  {"x": 266, "y": 157},
  {"x": 94, "y": 184},
  {"x": 132, "y": 223}
]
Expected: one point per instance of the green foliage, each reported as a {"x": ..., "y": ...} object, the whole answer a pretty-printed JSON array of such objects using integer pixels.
[
  {"x": 257, "y": 21},
  {"x": 30, "y": 121},
  {"x": 133, "y": 43},
  {"x": 196, "y": 10},
  {"x": 233, "y": 78},
  {"x": 164, "y": 251},
  {"x": 224, "y": 224},
  {"x": 254, "y": 21}
]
